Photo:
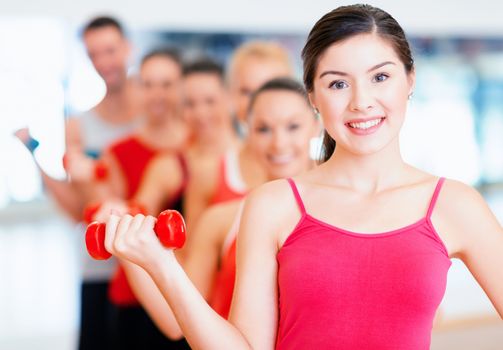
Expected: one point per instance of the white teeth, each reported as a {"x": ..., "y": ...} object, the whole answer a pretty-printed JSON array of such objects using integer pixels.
[{"x": 366, "y": 125}]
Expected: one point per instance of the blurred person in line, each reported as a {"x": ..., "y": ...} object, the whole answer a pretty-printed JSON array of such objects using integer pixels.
[
  {"x": 251, "y": 65},
  {"x": 162, "y": 131},
  {"x": 207, "y": 111},
  {"x": 89, "y": 133},
  {"x": 86, "y": 136},
  {"x": 354, "y": 253},
  {"x": 281, "y": 125}
]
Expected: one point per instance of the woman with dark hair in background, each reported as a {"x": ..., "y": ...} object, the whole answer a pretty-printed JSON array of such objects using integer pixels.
[{"x": 162, "y": 131}]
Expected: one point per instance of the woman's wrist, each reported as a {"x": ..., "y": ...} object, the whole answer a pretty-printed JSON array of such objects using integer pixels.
[{"x": 165, "y": 266}]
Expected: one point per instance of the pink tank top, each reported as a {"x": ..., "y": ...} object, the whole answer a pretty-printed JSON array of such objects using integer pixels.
[{"x": 345, "y": 290}]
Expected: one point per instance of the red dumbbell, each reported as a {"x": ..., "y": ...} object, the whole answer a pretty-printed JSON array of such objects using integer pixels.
[{"x": 169, "y": 228}]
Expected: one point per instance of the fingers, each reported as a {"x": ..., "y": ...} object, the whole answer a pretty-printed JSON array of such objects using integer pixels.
[
  {"x": 124, "y": 235},
  {"x": 140, "y": 232},
  {"x": 136, "y": 223},
  {"x": 120, "y": 233},
  {"x": 132, "y": 238},
  {"x": 112, "y": 206},
  {"x": 148, "y": 223},
  {"x": 22, "y": 134},
  {"x": 110, "y": 232}
]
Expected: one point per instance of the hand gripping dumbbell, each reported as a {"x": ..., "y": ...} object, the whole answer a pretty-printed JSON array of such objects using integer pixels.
[
  {"x": 100, "y": 168},
  {"x": 29, "y": 141},
  {"x": 169, "y": 228}
]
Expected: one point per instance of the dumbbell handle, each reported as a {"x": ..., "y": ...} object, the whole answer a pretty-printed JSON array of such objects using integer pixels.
[{"x": 169, "y": 228}]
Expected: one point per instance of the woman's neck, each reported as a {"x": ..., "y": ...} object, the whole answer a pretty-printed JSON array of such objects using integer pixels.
[
  {"x": 217, "y": 143},
  {"x": 166, "y": 133},
  {"x": 369, "y": 173}
]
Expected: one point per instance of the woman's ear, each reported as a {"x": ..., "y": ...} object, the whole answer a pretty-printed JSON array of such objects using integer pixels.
[
  {"x": 411, "y": 78},
  {"x": 317, "y": 128},
  {"x": 312, "y": 102}
]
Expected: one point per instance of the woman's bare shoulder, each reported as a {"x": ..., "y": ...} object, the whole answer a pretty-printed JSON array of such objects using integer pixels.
[{"x": 272, "y": 210}]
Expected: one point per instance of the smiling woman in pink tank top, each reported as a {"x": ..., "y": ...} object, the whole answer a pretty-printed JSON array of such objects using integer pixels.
[{"x": 353, "y": 254}]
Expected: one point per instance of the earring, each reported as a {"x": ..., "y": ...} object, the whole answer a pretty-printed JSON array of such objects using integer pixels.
[
  {"x": 410, "y": 95},
  {"x": 316, "y": 113}
]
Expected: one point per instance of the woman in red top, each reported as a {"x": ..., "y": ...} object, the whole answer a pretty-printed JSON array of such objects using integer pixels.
[
  {"x": 207, "y": 111},
  {"x": 163, "y": 131},
  {"x": 163, "y": 128},
  {"x": 353, "y": 254}
]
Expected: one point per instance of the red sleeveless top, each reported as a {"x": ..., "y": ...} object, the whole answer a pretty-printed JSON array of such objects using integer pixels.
[
  {"x": 133, "y": 156},
  {"x": 224, "y": 192},
  {"x": 344, "y": 290},
  {"x": 221, "y": 296}
]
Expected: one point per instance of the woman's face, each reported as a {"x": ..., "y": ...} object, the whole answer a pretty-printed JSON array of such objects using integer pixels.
[
  {"x": 361, "y": 89},
  {"x": 161, "y": 88},
  {"x": 248, "y": 76},
  {"x": 281, "y": 126},
  {"x": 206, "y": 104}
]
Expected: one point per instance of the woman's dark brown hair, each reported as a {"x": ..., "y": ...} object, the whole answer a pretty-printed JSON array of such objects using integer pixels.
[
  {"x": 164, "y": 52},
  {"x": 340, "y": 24},
  {"x": 279, "y": 84}
]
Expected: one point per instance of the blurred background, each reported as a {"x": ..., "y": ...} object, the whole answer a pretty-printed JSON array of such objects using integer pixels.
[{"x": 454, "y": 129}]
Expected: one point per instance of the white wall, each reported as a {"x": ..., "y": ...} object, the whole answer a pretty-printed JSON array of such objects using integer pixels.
[{"x": 418, "y": 17}]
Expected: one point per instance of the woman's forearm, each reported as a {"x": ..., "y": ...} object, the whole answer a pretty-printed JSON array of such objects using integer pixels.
[
  {"x": 152, "y": 300},
  {"x": 202, "y": 326},
  {"x": 65, "y": 195}
]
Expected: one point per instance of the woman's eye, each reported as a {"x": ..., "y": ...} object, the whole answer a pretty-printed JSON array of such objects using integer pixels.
[
  {"x": 338, "y": 84},
  {"x": 380, "y": 77},
  {"x": 262, "y": 129},
  {"x": 293, "y": 127}
]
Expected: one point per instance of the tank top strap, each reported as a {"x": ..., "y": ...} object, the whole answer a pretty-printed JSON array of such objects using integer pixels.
[
  {"x": 296, "y": 194},
  {"x": 233, "y": 231},
  {"x": 435, "y": 196},
  {"x": 232, "y": 172},
  {"x": 183, "y": 165}
]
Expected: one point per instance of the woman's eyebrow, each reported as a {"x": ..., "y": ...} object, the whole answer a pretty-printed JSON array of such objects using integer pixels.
[{"x": 335, "y": 72}]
